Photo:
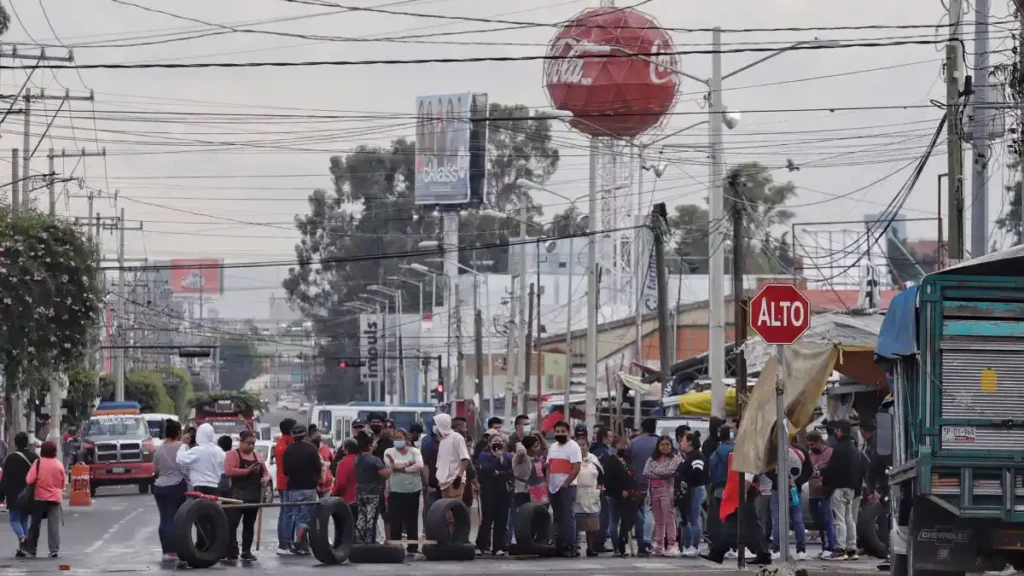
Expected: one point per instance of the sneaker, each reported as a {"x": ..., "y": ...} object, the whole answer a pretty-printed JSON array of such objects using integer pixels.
[
  {"x": 53, "y": 554},
  {"x": 299, "y": 551},
  {"x": 479, "y": 552},
  {"x": 284, "y": 549},
  {"x": 1006, "y": 571},
  {"x": 764, "y": 559},
  {"x": 248, "y": 557},
  {"x": 20, "y": 553},
  {"x": 500, "y": 553},
  {"x": 801, "y": 556},
  {"x": 776, "y": 555},
  {"x": 691, "y": 552},
  {"x": 169, "y": 557},
  {"x": 672, "y": 551},
  {"x": 731, "y": 555},
  {"x": 825, "y": 555},
  {"x": 852, "y": 555},
  {"x": 838, "y": 555}
]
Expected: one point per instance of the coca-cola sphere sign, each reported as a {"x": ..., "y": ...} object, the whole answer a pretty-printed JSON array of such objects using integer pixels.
[{"x": 591, "y": 73}]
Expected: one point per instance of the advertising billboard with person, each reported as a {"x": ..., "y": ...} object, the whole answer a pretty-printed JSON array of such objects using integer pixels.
[{"x": 450, "y": 148}]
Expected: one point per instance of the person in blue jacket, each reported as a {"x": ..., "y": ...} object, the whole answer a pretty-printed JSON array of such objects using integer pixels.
[{"x": 494, "y": 472}]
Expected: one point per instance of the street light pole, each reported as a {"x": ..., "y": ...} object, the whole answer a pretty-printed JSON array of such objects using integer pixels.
[
  {"x": 590, "y": 403},
  {"x": 716, "y": 264}
]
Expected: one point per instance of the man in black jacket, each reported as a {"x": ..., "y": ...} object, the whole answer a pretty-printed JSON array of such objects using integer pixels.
[
  {"x": 302, "y": 467},
  {"x": 842, "y": 479}
]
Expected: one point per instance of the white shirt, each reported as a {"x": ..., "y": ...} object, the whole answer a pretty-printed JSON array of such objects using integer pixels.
[
  {"x": 561, "y": 457},
  {"x": 204, "y": 463},
  {"x": 450, "y": 453}
]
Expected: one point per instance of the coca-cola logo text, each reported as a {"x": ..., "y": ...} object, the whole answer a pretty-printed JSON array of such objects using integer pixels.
[
  {"x": 567, "y": 64},
  {"x": 663, "y": 62}
]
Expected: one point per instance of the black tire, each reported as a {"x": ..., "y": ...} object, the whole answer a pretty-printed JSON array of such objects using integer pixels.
[
  {"x": 870, "y": 522},
  {"x": 376, "y": 554},
  {"x": 532, "y": 528},
  {"x": 210, "y": 518},
  {"x": 451, "y": 552},
  {"x": 321, "y": 535},
  {"x": 144, "y": 487},
  {"x": 538, "y": 550},
  {"x": 436, "y": 524}
]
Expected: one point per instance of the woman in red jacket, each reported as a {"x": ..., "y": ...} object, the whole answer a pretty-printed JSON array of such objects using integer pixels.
[{"x": 345, "y": 477}]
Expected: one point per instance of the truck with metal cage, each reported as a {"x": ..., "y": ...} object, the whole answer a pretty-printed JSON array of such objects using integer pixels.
[{"x": 955, "y": 349}]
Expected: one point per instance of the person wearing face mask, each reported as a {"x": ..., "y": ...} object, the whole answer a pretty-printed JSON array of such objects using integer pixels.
[
  {"x": 660, "y": 469},
  {"x": 620, "y": 487},
  {"x": 381, "y": 441},
  {"x": 494, "y": 469},
  {"x": 316, "y": 438},
  {"x": 406, "y": 464},
  {"x": 589, "y": 484},
  {"x": 821, "y": 508},
  {"x": 564, "y": 461}
]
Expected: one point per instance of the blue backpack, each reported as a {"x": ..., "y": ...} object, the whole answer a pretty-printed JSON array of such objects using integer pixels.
[{"x": 719, "y": 473}]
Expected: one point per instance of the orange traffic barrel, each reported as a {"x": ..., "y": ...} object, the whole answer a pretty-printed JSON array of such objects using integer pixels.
[{"x": 80, "y": 493}]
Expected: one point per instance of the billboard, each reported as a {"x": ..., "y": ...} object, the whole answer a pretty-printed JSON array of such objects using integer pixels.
[
  {"x": 451, "y": 146},
  {"x": 197, "y": 277},
  {"x": 371, "y": 348}
]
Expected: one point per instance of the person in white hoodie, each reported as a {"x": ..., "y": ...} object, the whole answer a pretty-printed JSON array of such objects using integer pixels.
[
  {"x": 452, "y": 458},
  {"x": 204, "y": 464}
]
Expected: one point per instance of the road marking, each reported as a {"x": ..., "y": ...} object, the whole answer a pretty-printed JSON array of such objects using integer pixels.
[{"x": 118, "y": 524}]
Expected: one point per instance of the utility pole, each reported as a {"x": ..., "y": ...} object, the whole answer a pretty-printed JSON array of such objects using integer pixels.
[
  {"x": 523, "y": 354},
  {"x": 15, "y": 181},
  {"x": 642, "y": 265},
  {"x": 478, "y": 338},
  {"x": 26, "y": 157},
  {"x": 659, "y": 224},
  {"x": 52, "y": 157},
  {"x": 510, "y": 361},
  {"x": 528, "y": 356},
  {"x": 980, "y": 130},
  {"x": 457, "y": 375},
  {"x": 540, "y": 355},
  {"x": 716, "y": 264},
  {"x": 954, "y": 149},
  {"x": 121, "y": 320},
  {"x": 568, "y": 326},
  {"x": 590, "y": 409},
  {"x": 739, "y": 304}
]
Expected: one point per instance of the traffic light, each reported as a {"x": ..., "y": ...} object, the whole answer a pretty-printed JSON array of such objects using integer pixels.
[
  {"x": 349, "y": 364},
  {"x": 439, "y": 394}
]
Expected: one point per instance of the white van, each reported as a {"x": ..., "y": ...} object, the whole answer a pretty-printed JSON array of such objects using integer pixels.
[{"x": 156, "y": 424}]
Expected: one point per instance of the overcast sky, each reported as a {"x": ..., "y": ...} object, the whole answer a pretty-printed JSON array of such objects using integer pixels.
[{"x": 195, "y": 202}]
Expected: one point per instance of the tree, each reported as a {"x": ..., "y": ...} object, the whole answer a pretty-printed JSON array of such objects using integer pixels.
[
  {"x": 372, "y": 211},
  {"x": 763, "y": 202},
  {"x": 48, "y": 295},
  {"x": 5, "y": 20},
  {"x": 239, "y": 363},
  {"x": 178, "y": 383},
  {"x": 146, "y": 388},
  {"x": 82, "y": 393}
]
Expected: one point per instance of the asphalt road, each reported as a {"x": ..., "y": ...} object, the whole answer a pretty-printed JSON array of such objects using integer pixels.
[{"x": 117, "y": 534}]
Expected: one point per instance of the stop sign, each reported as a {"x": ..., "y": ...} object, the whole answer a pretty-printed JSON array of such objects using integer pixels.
[{"x": 779, "y": 314}]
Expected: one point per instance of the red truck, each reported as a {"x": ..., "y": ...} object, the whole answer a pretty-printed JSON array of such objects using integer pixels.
[
  {"x": 228, "y": 417},
  {"x": 118, "y": 447}
]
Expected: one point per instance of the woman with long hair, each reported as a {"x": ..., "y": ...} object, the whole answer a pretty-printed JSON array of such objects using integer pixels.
[
  {"x": 248, "y": 475},
  {"x": 50, "y": 479},
  {"x": 691, "y": 480},
  {"x": 620, "y": 486},
  {"x": 661, "y": 470},
  {"x": 16, "y": 467}
]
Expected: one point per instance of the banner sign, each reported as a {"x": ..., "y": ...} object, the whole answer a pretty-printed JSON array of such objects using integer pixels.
[{"x": 371, "y": 347}]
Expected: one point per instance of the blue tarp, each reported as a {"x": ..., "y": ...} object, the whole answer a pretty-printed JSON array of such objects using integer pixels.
[{"x": 898, "y": 334}]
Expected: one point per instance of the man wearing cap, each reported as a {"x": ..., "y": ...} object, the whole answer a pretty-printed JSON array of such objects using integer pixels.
[{"x": 302, "y": 467}]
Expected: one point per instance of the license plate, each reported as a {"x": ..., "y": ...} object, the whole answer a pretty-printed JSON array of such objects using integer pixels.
[
  {"x": 118, "y": 470},
  {"x": 959, "y": 433}
]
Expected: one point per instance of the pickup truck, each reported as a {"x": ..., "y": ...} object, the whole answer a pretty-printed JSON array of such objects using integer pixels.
[
  {"x": 118, "y": 448},
  {"x": 954, "y": 347}
]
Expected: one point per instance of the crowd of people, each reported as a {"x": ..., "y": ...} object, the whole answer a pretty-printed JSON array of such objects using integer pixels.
[{"x": 644, "y": 494}]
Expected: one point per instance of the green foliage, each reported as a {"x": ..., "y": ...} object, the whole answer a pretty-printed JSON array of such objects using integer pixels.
[
  {"x": 48, "y": 294},
  {"x": 5, "y": 20},
  {"x": 243, "y": 397},
  {"x": 763, "y": 201},
  {"x": 239, "y": 363},
  {"x": 178, "y": 383},
  {"x": 82, "y": 393},
  {"x": 372, "y": 211},
  {"x": 144, "y": 387}
]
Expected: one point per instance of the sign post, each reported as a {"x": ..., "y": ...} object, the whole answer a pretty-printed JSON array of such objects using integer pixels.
[{"x": 780, "y": 315}]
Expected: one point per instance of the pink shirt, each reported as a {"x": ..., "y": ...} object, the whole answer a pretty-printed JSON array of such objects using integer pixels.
[{"x": 49, "y": 478}]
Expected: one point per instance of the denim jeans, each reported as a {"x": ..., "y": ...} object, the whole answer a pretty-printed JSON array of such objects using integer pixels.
[
  {"x": 19, "y": 521},
  {"x": 168, "y": 500},
  {"x": 302, "y": 516},
  {"x": 606, "y": 516},
  {"x": 795, "y": 515},
  {"x": 693, "y": 533},
  {"x": 563, "y": 504},
  {"x": 613, "y": 518},
  {"x": 821, "y": 511},
  {"x": 285, "y": 521},
  {"x": 643, "y": 525}
]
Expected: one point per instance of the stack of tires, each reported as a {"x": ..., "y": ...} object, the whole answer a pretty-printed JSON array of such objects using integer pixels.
[
  {"x": 448, "y": 524},
  {"x": 211, "y": 523},
  {"x": 533, "y": 531}
]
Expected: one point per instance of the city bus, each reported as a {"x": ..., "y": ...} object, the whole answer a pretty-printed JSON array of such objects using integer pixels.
[{"x": 335, "y": 420}]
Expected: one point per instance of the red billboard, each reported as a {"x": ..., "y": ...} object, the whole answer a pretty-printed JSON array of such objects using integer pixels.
[{"x": 197, "y": 277}]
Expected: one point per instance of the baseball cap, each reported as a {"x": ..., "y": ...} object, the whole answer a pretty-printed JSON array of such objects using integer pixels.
[
  {"x": 299, "y": 431},
  {"x": 358, "y": 424},
  {"x": 581, "y": 430}
]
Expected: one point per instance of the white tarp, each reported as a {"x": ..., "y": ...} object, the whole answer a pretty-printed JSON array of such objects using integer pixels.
[{"x": 847, "y": 330}]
